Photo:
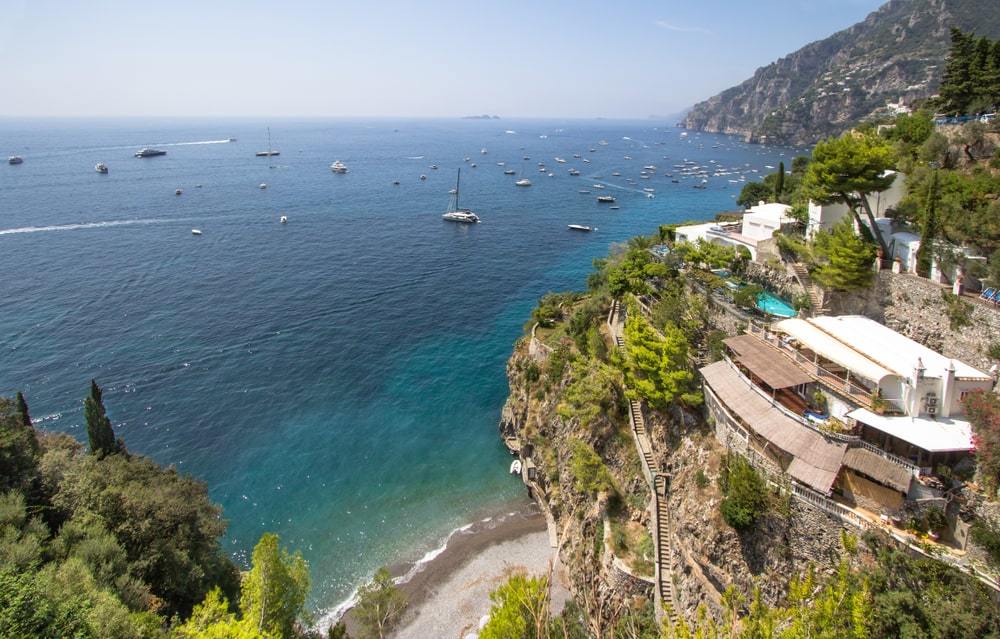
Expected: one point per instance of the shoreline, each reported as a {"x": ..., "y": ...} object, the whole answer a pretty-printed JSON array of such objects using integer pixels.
[{"x": 447, "y": 589}]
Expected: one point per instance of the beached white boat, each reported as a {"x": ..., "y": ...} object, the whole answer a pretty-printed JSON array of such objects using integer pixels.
[
  {"x": 454, "y": 212},
  {"x": 515, "y": 467}
]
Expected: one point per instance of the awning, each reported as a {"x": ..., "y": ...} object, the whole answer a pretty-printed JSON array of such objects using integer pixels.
[
  {"x": 766, "y": 362},
  {"x": 879, "y": 468},
  {"x": 939, "y": 435},
  {"x": 831, "y": 348},
  {"x": 816, "y": 461}
]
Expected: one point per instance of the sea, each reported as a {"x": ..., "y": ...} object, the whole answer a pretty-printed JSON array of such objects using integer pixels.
[{"x": 336, "y": 379}]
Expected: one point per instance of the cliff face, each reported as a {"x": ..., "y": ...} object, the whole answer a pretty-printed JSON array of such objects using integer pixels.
[{"x": 824, "y": 88}]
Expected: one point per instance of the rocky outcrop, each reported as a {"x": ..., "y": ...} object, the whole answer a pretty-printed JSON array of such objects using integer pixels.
[{"x": 828, "y": 86}]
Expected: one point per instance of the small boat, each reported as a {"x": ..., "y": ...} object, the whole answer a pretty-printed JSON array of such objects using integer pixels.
[
  {"x": 509, "y": 172},
  {"x": 526, "y": 158},
  {"x": 551, "y": 174},
  {"x": 580, "y": 227},
  {"x": 149, "y": 153},
  {"x": 434, "y": 167},
  {"x": 178, "y": 192},
  {"x": 586, "y": 161},
  {"x": 615, "y": 174},
  {"x": 515, "y": 467},
  {"x": 597, "y": 186},
  {"x": 395, "y": 182},
  {"x": 101, "y": 167},
  {"x": 523, "y": 182},
  {"x": 423, "y": 177},
  {"x": 606, "y": 198},
  {"x": 560, "y": 160},
  {"x": 628, "y": 157},
  {"x": 473, "y": 165},
  {"x": 338, "y": 167},
  {"x": 649, "y": 167},
  {"x": 456, "y": 214},
  {"x": 283, "y": 219},
  {"x": 574, "y": 172},
  {"x": 232, "y": 139},
  {"x": 262, "y": 186},
  {"x": 195, "y": 231},
  {"x": 648, "y": 190},
  {"x": 576, "y": 155},
  {"x": 483, "y": 151},
  {"x": 614, "y": 208},
  {"x": 583, "y": 191},
  {"x": 15, "y": 159},
  {"x": 501, "y": 163}
]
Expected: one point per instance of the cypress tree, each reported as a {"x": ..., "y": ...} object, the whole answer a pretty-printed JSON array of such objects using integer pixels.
[
  {"x": 779, "y": 185},
  {"x": 99, "y": 430},
  {"x": 22, "y": 410},
  {"x": 929, "y": 233},
  {"x": 956, "y": 83}
]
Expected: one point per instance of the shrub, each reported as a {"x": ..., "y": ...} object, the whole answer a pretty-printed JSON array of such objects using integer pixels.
[
  {"x": 958, "y": 310},
  {"x": 987, "y": 535},
  {"x": 590, "y": 475},
  {"x": 701, "y": 479},
  {"x": 745, "y": 494}
]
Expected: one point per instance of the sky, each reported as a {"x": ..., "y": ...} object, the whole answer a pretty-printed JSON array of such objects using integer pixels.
[{"x": 393, "y": 58}]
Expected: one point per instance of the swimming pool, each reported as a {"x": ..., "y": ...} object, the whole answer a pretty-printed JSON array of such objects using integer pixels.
[{"x": 773, "y": 305}]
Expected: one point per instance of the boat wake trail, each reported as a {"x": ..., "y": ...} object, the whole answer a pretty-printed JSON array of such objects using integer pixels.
[
  {"x": 195, "y": 143},
  {"x": 85, "y": 225}
]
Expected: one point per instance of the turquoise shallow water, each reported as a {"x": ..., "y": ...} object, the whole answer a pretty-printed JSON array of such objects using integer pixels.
[{"x": 337, "y": 379}]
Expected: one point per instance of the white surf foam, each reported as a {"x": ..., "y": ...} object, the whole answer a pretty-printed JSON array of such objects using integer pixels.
[{"x": 82, "y": 225}]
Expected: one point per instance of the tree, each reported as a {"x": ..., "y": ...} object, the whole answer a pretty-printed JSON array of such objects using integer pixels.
[
  {"x": 380, "y": 605},
  {"x": 847, "y": 258},
  {"x": 274, "y": 591},
  {"x": 847, "y": 169},
  {"x": 99, "y": 430},
  {"x": 983, "y": 409},
  {"x": 779, "y": 185},
  {"x": 520, "y": 609},
  {"x": 800, "y": 163},
  {"x": 744, "y": 490},
  {"x": 656, "y": 365},
  {"x": 928, "y": 237},
  {"x": 18, "y": 446},
  {"x": 590, "y": 475},
  {"x": 213, "y": 619},
  {"x": 956, "y": 83},
  {"x": 753, "y": 193}
]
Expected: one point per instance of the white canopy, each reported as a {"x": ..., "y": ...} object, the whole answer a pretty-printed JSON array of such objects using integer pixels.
[
  {"x": 934, "y": 435},
  {"x": 833, "y": 349}
]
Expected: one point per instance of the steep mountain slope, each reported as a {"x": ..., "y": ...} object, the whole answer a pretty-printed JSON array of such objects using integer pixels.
[{"x": 825, "y": 87}]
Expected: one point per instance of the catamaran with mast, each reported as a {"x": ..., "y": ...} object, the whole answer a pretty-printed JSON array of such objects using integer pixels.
[
  {"x": 270, "y": 152},
  {"x": 456, "y": 214}
]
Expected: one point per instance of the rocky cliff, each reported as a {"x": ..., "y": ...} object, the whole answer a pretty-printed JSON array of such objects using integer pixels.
[{"x": 827, "y": 86}]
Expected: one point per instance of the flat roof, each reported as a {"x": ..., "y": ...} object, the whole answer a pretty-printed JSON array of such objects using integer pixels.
[
  {"x": 939, "y": 435},
  {"x": 890, "y": 349},
  {"x": 764, "y": 361},
  {"x": 816, "y": 461},
  {"x": 829, "y": 347}
]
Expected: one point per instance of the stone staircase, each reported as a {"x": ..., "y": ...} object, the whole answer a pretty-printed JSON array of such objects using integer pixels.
[
  {"x": 815, "y": 293},
  {"x": 639, "y": 426},
  {"x": 664, "y": 551}
]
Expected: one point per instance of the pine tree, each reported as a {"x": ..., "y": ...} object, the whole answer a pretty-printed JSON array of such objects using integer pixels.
[
  {"x": 849, "y": 258},
  {"x": 929, "y": 234},
  {"x": 779, "y": 185},
  {"x": 99, "y": 430},
  {"x": 956, "y": 84}
]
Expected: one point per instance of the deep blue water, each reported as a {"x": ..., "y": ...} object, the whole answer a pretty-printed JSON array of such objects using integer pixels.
[{"x": 337, "y": 379}]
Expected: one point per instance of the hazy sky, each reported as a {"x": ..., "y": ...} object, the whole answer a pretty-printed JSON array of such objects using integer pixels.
[{"x": 392, "y": 58}]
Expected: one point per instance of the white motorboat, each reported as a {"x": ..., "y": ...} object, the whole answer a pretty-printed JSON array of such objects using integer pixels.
[
  {"x": 606, "y": 198},
  {"x": 338, "y": 167},
  {"x": 178, "y": 192},
  {"x": 101, "y": 167},
  {"x": 580, "y": 227},
  {"x": 523, "y": 182},
  {"x": 195, "y": 231},
  {"x": 283, "y": 219},
  {"x": 15, "y": 159},
  {"x": 483, "y": 151},
  {"x": 262, "y": 186},
  {"x": 454, "y": 212},
  {"x": 509, "y": 172},
  {"x": 515, "y": 467},
  {"x": 574, "y": 172}
]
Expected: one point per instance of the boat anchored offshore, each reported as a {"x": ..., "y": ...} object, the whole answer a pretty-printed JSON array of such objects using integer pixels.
[
  {"x": 523, "y": 182},
  {"x": 101, "y": 167},
  {"x": 270, "y": 152},
  {"x": 15, "y": 159},
  {"x": 338, "y": 167},
  {"x": 605, "y": 198},
  {"x": 456, "y": 214},
  {"x": 580, "y": 227},
  {"x": 149, "y": 153},
  {"x": 195, "y": 231}
]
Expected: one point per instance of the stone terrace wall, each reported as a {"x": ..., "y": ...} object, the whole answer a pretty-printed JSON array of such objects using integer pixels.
[{"x": 913, "y": 306}]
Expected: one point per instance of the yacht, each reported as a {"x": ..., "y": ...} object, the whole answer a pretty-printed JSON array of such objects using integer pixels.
[
  {"x": 338, "y": 167},
  {"x": 605, "y": 198},
  {"x": 560, "y": 160},
  {"x": 523, "y": 182},
  {"x": 579, "y": 227},
  {"x": 456, "y": 214},
  {"x": 270, "y": 152},
  {"x": 149, "y": 153},
  {"x": 15, "y": 159},
  {"x": 483, "y": 151},
  {"x": 509, "y": 172},
  {"x": 616, "y": 174},
  {"x": 262, "y": 186},
  {"x": 101, "y": 167},
  {"x": 195, "y": 231},
  {"x": 178, "y": 192},
  {"x": 283, "y": 219},
  {"x": 423, "y": 177},
  {"x": 574, "y": 172}
]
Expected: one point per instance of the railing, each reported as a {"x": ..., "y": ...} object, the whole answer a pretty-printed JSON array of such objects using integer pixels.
[{"x": 896, "y": 459}]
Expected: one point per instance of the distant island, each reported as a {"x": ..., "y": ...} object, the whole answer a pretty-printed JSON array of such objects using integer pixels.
[{"x": 481, "y": 117}]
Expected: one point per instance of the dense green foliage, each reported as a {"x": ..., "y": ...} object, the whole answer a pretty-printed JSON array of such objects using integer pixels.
[
  {"x": 971, "y": 81},
  {"x": 380, "y": 604},
  {"x": 745, "y": 496},
  {"x": 846, "y": 261},
  {"x": 520, "y": 609},
  {"x": 112, "y": 546},
  {"x": 595, "y": 390},
  {"x": 590, "y": 475},
  {"x": 656, "y": 367},
  {"x": 983, "y": 409}
]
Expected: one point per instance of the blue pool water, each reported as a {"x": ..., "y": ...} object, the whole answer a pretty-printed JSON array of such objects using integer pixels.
[
  {"x": 337, "y": 379},
  {"x": 773, "y": 305}
]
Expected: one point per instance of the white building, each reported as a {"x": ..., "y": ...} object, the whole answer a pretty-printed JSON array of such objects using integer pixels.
[
  {"x": 754, "y": 232},
  {"x": 825, "y": 216},
  {"x": 905, "y": 397}
]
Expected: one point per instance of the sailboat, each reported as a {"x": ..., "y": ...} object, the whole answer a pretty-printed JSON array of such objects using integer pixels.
[
  {"x": 270, "y": 152},
  {"x": 456, "y": 214}
]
